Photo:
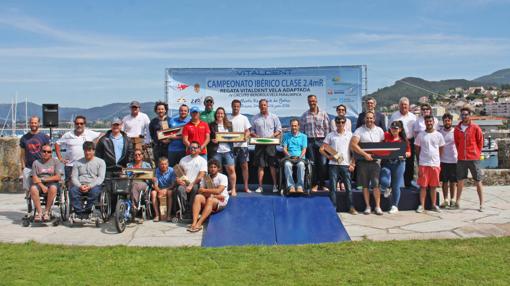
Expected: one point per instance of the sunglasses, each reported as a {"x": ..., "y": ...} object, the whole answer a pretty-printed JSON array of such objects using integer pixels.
[
  {"x": 138, "y": 154},
  {"x": 79, "y": 123},
  {"x": 340, "y": 122},
  {"x": 341, "y": 109},
  {"x": 194, "y": 147},
  {"x": 395, "y": 127},
  {"x": 46, "y": 151},
  {"x": 134, "y": 107},
  {"x": 464, "y": 114},
  {"x": 425, "y": 109}
]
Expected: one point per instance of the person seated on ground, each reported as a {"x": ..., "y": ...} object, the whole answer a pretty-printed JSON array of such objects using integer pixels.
[
  {"x": 164, "y": 183},
  {"x": 194, "y": 167},
  {"x": 340, "y": 169},
  {"x": 392, "y": 170},
  {"x": 137, "y": 186},
  {"x": 45, "y": 178},
  {"x": 294, "y": 149},
  {"x": 210, "y": 200},
  {"x": 87, "y": 176}
]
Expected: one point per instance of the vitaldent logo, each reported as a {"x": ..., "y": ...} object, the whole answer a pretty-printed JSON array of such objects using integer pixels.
[{"x": 263, "y": 72}]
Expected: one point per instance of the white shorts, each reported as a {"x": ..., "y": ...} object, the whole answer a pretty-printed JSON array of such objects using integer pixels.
[{"x": 27, "y": 178}]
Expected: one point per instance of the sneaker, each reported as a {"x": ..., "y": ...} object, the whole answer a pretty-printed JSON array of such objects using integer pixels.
[
  {"x": 259, "y": 190},
  {"x": 291, "y": 190},
  {"x": 436, "y": 209},
  {"x": 353, "y": 211},
  {"x": 378, "y": 211},
  {"x": 300, "y": 189},
  {"x": 445, "y": 204},
  {"x": 455, "y": 205},
  {"x": 275, "y": 189},
  {"x": 452, "y": 204},
  {"x": 393, "y": 210},
  {"x": 480, "y": 209},
  {"x": 420, "y": 209},
  {"x": 367, "y": 211},
  {"x": 387, "y": 193}
]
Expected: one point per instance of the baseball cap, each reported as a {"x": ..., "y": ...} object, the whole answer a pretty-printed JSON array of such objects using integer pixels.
[
  {"x": 194, "y": 109},
  {"x": 116, "y": 120},
  {"x": 394, "y": 125},
  {"x": 208, "y": 98},
  {"x": 134, "y": 103}
]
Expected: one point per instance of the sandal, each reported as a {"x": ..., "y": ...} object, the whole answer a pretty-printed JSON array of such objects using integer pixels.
[
  {"x": 37, "y": 218},
  {"x": 156, "y": 219},
  {"x": 46, "y": 217},
  {"x": 195, "y": 229}
]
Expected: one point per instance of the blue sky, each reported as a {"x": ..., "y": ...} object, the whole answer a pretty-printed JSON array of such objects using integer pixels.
[{"x": 90, "y": 53}]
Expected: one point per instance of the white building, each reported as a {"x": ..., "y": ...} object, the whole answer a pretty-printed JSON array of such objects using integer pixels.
[{"x": 498, "y": 109}]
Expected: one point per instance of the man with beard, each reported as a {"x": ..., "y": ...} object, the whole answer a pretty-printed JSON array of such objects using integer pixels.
[
  {"x": 176, "y": 148},
  {"x": 30, "y": 146},
  {"x": 448, "y": 173},
  {"x": 158, "y": 123},
  {"x": 429, "y": 147}
]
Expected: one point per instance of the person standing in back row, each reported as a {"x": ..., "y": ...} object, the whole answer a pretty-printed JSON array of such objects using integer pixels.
[
  {"x": 315, "y": 125},
  {"x": 136, "y": 124}
]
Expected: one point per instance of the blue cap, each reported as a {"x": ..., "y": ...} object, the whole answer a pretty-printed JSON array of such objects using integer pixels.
[{"x": 195, "y": 109}]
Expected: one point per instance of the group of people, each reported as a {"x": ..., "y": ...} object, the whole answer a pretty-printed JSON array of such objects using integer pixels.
[{"x": 444, "y": 155}]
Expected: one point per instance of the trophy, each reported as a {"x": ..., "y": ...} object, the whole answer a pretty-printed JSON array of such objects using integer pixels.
[
  {"x": 331, "y": 152},
  {"x": 227, "y": 137},
  {"x": 180, "y": 174},
  {"x": 167, "y": 133}
]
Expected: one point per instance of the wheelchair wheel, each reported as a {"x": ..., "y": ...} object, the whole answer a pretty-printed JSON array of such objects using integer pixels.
[
  {"x": 25, "y": 222},
  {"x": 65, "y": 206},
  {"x": 148, "y": 208},
  {"x": 104, "y": 206},
  {"x": 120, "y": 215}
]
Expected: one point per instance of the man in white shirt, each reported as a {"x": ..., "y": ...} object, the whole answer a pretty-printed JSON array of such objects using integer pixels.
[
  {"x": 429, "y": 147},
  {"x": 368, "y": 168},
  {"x": 448, "y": 173},
  {"x": 340, "y": 170},
  {"x": 419, "y": 124},
  {"x": 240, "y": 123},
  {"x": 408, "y": 119},
  {"x": 136, "y": 124},
  {"x": 210, "y": 200},
  {"x": 72, "y": 142},
  {"x": 195, "y": 167}
]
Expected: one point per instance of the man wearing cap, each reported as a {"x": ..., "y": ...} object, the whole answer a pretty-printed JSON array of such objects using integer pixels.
[
  {"x": 115, "y": 146},
  {"x": 176, "y": 148},
  {"x": 196, "y": 131},
  {"x": 137, "y": 123},
  {"x": 208, "y": 114},
  {"x": 468, "y": 138}
]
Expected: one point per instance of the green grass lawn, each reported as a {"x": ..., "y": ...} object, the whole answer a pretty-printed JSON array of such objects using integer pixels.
[{"x": 429, "y": 262}]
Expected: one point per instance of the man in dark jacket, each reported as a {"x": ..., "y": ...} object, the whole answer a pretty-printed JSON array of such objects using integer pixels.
[
  {"x": 115, "y": 147},
  {"x": 380, "y": 119}
]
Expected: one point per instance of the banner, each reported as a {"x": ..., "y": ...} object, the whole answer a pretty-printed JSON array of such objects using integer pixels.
[{"x": 286, "y": 89}]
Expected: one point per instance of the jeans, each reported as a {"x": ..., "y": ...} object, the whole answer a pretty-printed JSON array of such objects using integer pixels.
[
  {"x": 226, "y": 159},
  {"x": 392, "y": 174},
  {"x": 319, "y": 162},
  {"x": 92, "y": 196},
  {"x": 300, "y": 173},
  {"x": 342, "y": 174}
]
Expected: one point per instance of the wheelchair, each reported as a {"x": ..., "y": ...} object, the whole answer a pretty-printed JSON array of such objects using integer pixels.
[
  {"x": 61, "y": 201},
  {"x": 307, "y": 181},
  {"x": 94, "y": 216},
  {"x": 125, "y": 211},
  {"x": 183, "y": 213}
]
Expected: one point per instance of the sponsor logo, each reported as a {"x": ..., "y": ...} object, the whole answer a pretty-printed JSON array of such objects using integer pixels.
[
  {"x": 336, "y": 79},
  {"x": 263, "y": 72},
  {"x": 182, "y": 86}
]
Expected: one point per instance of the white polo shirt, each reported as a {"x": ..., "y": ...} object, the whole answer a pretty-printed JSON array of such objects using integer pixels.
[
  {"x": 73, "y": 144},
  {"x": 136, "y": 126},
  {"x": 408, "y": 121},
  {"x": 369, "y": 135}
]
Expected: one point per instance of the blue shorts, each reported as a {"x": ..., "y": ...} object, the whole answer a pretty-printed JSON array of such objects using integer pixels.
[{"x": 226, "y": 159}]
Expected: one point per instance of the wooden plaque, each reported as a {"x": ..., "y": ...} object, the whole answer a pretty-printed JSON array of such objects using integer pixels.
[
  {"x": 333, "y": 153},
  {"x": 208, "y": 182},
  {"x": 180, "y": 174},
  {"x": 224, "y": 137},
  {"x": 264, "y": 141},
  {"x": 166, "y": 133},
  {"x": 140, "y": 173},
  {"x": 383, "y": 150}
]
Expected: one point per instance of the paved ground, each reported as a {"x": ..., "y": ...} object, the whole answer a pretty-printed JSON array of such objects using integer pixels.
[
  {"x": 466, "y": 222},
  {"x": 462, "y": 223}
]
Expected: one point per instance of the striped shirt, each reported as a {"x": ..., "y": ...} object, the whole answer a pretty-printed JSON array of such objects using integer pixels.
[{"x": 315, "y": 125}]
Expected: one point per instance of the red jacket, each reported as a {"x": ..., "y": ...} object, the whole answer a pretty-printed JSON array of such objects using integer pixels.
[{"x": 469, "y": 143}]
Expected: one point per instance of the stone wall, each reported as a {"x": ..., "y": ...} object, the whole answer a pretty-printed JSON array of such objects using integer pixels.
[
  {"x": 9, "y": 163},
  {"x": 504, "y": 153}
]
